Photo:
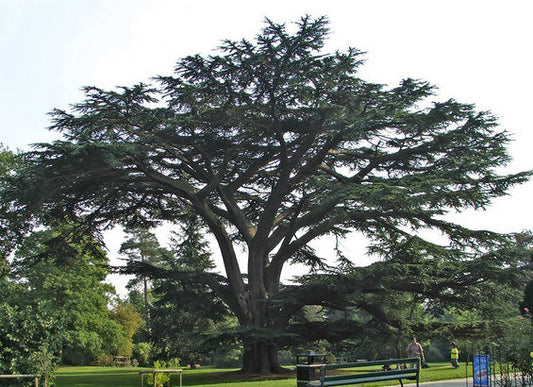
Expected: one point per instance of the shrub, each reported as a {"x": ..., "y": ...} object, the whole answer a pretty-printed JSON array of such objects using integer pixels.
[
  {"x": 141, "y": 353},
  {"x": 162, "y": 379},
  {"x": 173, "y": 363},
  {"x": 43, "y": 363}
]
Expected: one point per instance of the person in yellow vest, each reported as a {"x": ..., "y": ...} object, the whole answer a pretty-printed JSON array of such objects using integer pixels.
[{"x": 455, "y": 356}]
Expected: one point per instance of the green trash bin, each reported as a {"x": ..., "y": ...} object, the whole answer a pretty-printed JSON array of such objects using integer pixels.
[{"x": 308, "y": 367}]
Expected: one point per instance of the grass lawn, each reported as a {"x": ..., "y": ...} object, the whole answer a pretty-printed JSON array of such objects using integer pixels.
[{"x": 208, "y": 377}]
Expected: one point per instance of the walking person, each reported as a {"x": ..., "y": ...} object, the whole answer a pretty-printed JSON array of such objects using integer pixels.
[
  {"x": 415, "y": 349},
  {"x": 455, "y": 356}
]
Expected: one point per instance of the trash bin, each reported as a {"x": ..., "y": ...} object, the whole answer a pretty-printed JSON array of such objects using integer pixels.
[{"x": 308, "y": 367}]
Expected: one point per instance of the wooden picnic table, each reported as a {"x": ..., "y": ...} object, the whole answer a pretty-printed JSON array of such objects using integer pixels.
[
  {"x": 161, "y": 371},
  {"x": 121, "y": 361}
]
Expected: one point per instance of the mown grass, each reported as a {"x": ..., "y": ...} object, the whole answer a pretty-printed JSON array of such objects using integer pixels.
[{"x": 208, "y": 377}]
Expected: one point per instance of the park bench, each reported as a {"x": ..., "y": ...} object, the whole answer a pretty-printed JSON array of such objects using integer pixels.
[{"x": 351, "y": 373}]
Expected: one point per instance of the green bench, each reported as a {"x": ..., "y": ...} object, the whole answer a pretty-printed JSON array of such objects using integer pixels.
[{"x": 349, "y": 373}]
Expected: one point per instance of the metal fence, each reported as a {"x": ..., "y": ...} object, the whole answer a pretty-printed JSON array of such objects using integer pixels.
[
  {"x": 503, "y": 369},
  {"x": 506, "y": 374}
]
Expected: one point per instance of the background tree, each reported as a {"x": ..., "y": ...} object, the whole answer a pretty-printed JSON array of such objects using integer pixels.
[
  {"x": 28, "y": 333},
  {"x": 527, "y": 303},
  {"x": 63, "y": 269},
  {"x": 7, "y": 164},
  {"x": 25, "y": 332},
  {"x": 187, "y": 311},
  {"x": 131, "y": 321},
  {"x": 143, "y": 246},
  {"x": 9, "y": 236},
  {"x": 526, "y": 243},
  {"x": 274, "y": 144}
]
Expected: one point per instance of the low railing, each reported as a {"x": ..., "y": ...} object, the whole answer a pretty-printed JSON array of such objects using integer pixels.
[{"x": 34, "y": 377}]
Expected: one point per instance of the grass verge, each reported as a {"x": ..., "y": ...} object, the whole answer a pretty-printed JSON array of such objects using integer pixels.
[{"x": 208, "y": 377}]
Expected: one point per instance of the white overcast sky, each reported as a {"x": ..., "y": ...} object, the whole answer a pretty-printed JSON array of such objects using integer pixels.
[{"x": 476, "y": 51}]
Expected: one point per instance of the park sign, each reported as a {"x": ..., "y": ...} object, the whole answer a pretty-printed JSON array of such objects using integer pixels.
[{"x": 481, "y": 365}]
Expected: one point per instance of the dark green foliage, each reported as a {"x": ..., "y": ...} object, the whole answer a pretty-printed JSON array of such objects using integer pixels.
[
  {"x": 527, "y": 304},
  {"x": 24, "y": 331},
  {"x": 12, "y": 224},
  {"x": 433, "y": 295},
  {"x": 143, "y": 247},
  {"x": 185, "y": 309},
  {"x": 64, "y": 269},
  {"x": 274, "y": 144}
]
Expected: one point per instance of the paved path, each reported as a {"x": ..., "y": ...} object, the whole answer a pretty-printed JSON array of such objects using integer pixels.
[{"x": 446, "y": 383}]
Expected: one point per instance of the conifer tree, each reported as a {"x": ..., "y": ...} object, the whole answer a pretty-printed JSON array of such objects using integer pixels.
[
  {"x": 143, "y": 246},
  {"x": 274, "y": 143}
]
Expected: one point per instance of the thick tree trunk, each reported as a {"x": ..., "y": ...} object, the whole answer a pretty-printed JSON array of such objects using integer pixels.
[
  {"x": 261, "y": 358},
  {"x": 260, "y": 354}
]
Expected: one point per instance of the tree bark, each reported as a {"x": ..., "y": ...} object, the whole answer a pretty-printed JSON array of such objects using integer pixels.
[
  {"x": 261, "y": 358},
  {"x": 147, "y": 308}
]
